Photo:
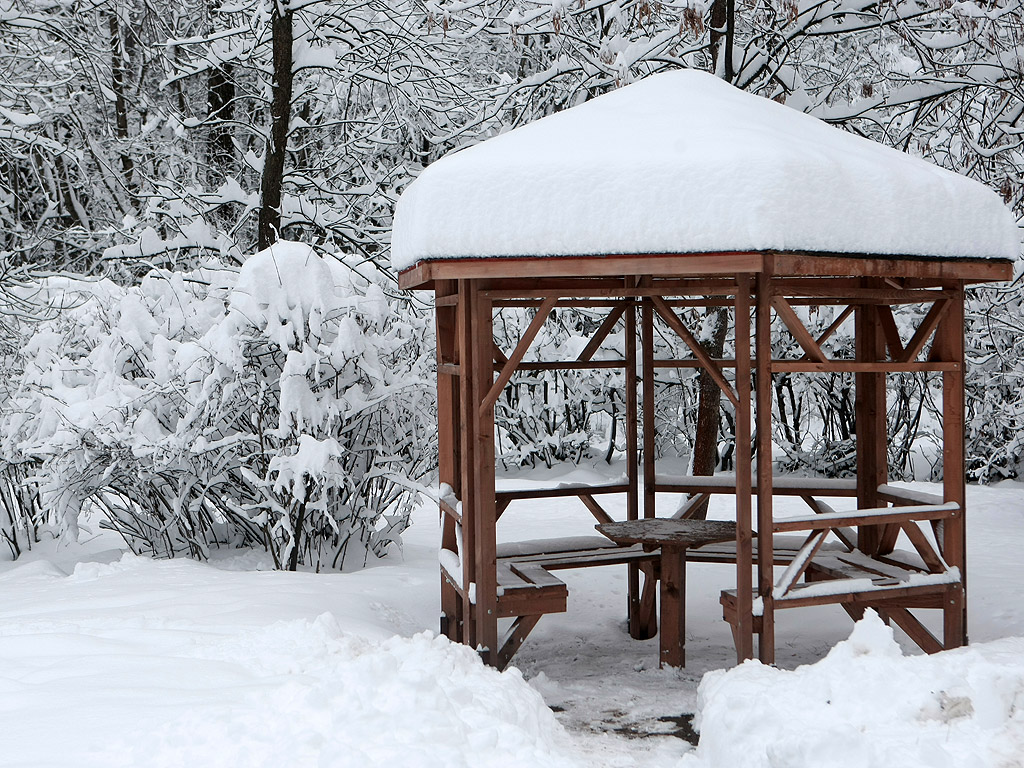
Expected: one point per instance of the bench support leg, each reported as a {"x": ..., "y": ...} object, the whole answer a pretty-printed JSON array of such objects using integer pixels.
[
  {"x": 673, "y": 607},
  {"x": 517, "y": 633}
]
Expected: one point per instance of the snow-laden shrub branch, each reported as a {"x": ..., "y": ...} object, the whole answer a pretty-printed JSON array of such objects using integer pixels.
[{"x": 283, "y": 404}]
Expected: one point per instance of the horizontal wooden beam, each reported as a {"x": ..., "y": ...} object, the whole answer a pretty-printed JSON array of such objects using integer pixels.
[
  {"x": 546, "y": 493},
  {"x": 851, "y": 366},
  {"x": 878, "y": 516},
  {"x": 786, "y": 264}
]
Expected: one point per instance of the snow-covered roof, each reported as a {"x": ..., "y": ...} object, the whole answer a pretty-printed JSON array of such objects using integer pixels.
[{"x": 683, "y": 162}]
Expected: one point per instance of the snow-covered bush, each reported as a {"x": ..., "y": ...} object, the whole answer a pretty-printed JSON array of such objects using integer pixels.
[{"x": 283, "y": 404}]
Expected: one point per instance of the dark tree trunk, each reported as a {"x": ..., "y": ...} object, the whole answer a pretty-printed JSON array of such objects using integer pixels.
[
  {"x": 280, "y": 112},
  {"x": 722, "y": 26},
  {"x": 220, "y": 99},
  {"x": 118, "y": 76},
  {"x": 705, "y": 444}
]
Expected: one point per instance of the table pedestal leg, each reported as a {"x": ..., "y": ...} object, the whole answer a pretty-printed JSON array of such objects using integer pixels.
[{"x": 672, "y": 638}]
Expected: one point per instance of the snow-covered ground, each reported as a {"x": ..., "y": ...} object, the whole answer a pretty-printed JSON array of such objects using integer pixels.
[{"x": 109, "y": 659}]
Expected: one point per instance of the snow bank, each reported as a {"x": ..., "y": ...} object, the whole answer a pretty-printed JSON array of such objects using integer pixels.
[
  {"x": 682, "y": 162},
  {"x": 866, "y": 705},
  {"x": 175, "y": 663}
]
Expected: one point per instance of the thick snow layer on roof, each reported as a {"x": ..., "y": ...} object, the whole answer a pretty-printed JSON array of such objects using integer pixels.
[{"x": 682, "y": 162}]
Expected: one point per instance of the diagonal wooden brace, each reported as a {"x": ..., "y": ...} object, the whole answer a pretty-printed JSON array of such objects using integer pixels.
[
  {"x": 602, "y": 332},
  {"x": 925, "y": 330},
  {"x": 703, "y": 358},
  {"x": 798, "y": 329},
  {"x": 518, "y": 354}
]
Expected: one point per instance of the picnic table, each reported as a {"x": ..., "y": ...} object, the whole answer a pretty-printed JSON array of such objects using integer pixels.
[{"x": 673, "y": 537}]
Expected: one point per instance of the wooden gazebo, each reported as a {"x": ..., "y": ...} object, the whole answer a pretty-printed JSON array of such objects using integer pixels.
[{"x": 681, "y": 191}]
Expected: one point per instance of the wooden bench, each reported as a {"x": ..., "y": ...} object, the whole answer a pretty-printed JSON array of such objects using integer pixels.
[{"x": 889, "y": 583}]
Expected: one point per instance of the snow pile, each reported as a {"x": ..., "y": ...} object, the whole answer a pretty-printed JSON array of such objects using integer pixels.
[
  {"x": 866, "y": 705},
  {"x": 682, "y": 162},
  {"x": 177, "y": 663}
]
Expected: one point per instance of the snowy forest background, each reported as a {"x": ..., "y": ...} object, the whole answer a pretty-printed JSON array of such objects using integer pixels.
[{"x": 198, "y": 396}]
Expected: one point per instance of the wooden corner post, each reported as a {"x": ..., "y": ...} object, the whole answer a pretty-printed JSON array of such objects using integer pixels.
[
  {"x": 744, "y": 623},
  {"x": 870, "y": 419},
  {"x": 448, "y": 431},
  {"x": 949, "y": 347},
  {"x": 765, "y": 543},
  {"x": 484, "y": 550}
]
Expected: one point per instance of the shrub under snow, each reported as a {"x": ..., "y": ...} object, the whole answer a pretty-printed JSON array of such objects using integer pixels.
[{"x": 283, "y": 404}]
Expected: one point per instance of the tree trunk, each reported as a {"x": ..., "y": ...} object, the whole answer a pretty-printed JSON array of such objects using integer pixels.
[
  {"x": 118, "y": 77},
  {"x": 220, "y": 100},
  {"x": 705, "y": 443},
  {"x": 280, "y": 112}
]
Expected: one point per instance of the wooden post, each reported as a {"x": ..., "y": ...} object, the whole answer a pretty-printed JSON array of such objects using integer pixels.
[
  {"x": 448, "y": 431},
  {"x": 467, "y": 486},
  {"x": 648, "y": 624},
  {"x": 765, "y": 544},
  {"x": 483, "y": 510},
  {"x": 872, "y": 428},
  {"x": 647, "y": 349},
  {"x": 632, "y": 462},
  {"x": 949, "y": 343},
  {"x": 744, "y": 629}
]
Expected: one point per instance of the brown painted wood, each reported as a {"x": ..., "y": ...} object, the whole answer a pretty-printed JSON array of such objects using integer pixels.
[
  {"x": 484, "y": 512},
  {"x": 813, "y": 543},
  {"x": 781, "y": 486},
  {"x": 423, "y": 274},
  {"x": 572, "y": 365},
  {"x": 857, "y": 366},
  {"x": 906, "y": 496},
  {"x": 887, "y": 538},
  {"x": 726, "y": 263},
  {"x": 923, "y": 547},
  {"x": 672, "y": 638},
  {"x": 647, "y": 351},
  {"x": 500, "y": 505},
  {"x": 691, "y": 505},
  {"x": 449, "y": 511},
  {"x": 557, "y": 492},
  {"x": 950, "y": 343},
  {"x": 602, "y": 333},
  {"x": 915, "y": 630},
  {"x": 890, "y": 332},
  {"x": 591, "y": 558},
  {"x": 834, "y": 326},
  {"x": 884, "y": 595},
  {"x": 595, "y": 509},
  {"x": 470, "y": 351},
  {"x": 647, "y": 610},
  {"x": 763, "y": 409},
  {"x": 466, "y": 490},
  {"x": 744, "y": 628},
  {"x": 509, "y": 368},
  {"x": 795, "y": 325},
  {"x": 971, "y": 270},
  {"x": 515, "y": 638},
  {"x": 866, "y": 517},
  {"x": 659, "y": 531},
  {"x": 639, "y": 621},
  {"x": 677, "y": 325},
  {"x": 845, "y": 535},
  {"x": 499, "y": 357},
  {"x": 925, "y": 330},
  {"x": 872, "y": 430}
]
